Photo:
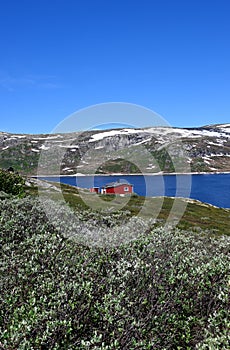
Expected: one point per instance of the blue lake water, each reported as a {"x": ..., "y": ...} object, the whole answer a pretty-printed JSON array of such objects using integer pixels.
[{"x": 210, "y": 188}]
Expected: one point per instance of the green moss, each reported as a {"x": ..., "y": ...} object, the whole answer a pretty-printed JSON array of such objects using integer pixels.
[
  {"x": 118, "y": 166},
  {"x": 21, "y": 158},
  {"x": 164, "y": 160}
]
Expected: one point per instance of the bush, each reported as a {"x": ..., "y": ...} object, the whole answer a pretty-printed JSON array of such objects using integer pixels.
[
  {"x": 11, "y": 183},
  {"x": 165, "y": 290}
]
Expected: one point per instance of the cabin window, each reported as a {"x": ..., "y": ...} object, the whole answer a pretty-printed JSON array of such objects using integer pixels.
[{"x": 126, "y": 189}]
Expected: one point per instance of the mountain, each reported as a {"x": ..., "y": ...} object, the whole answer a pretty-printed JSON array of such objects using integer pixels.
[{"x": 146, "y": 150}]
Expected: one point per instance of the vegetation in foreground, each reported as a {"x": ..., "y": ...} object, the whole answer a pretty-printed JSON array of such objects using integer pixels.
[
  {"x": 11, "y": 183},
  {"x": 167, "y": 289}
]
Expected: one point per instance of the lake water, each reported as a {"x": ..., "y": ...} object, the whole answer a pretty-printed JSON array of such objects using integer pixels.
[{"x": 210, "y": 188}]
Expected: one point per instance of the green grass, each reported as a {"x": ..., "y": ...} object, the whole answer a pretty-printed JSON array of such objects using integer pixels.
[
  {"x": 118, "y": 166},
  {"x": 196, "y": 216},
  {"x": 21, "y": 158},
  {"x": 163, "y": 289}
]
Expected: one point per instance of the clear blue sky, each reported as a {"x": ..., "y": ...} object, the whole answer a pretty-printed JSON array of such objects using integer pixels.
[{"x": 58, "y": 56}]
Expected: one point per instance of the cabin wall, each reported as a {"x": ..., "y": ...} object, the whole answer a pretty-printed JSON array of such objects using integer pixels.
[
  {"x": 120, "y": 189},
  {"x": 94, "y": 190}
]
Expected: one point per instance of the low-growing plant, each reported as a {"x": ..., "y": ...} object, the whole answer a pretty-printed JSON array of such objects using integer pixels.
[
  {"x": 163, "y": 290},
  {"x": 11, "y": 183}
]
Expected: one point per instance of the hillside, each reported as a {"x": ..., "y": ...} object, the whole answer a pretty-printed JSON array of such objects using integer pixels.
[
  {"x": 198, "y": 216},
  {"x": 165, "y": 289},
  {"x": 149, "y": 150},
  {"x": 109, "y": 280}
]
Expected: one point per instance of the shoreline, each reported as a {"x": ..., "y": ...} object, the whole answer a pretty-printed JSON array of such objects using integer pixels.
[{"x": 137, "y": 174}]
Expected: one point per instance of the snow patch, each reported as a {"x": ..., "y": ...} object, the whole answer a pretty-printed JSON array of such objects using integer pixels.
[
  {"x": 69, "y": 146},
  {"x": 43, "y": 147},
  {"x": 48, "y": 137},
  {"x": 17, "y": 137},
  {"x": 141, "y": 142},
  {"x": 66, "y": 169},
  {"x": 162, "y": 132}
]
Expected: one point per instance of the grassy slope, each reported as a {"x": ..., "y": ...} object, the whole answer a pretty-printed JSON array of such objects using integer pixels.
[
  {"x": 196, "y": 215},
  {"x": 164, "y": 290}
]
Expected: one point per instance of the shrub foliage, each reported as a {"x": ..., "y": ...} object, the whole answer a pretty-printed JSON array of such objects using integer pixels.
[
  {"x": 11, "y": 183},
  {"x": 165, "y": 290}
]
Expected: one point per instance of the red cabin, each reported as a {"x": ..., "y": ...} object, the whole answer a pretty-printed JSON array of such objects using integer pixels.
[
  {"x": 95, "y": 190},
  {"x": 117, "y": 188}
]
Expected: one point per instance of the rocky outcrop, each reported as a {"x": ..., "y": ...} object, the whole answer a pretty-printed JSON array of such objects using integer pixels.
[{"x": 149, "y": 150}]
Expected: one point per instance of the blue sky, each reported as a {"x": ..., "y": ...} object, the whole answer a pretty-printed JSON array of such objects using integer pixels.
[{"x": 59, "y": 56}]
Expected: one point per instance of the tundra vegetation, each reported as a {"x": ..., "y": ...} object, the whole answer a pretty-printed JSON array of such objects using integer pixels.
[{"x": 166, "y": 289}]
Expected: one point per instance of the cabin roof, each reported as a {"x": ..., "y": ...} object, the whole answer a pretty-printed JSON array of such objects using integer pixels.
[{"x": 117, "y": 184}]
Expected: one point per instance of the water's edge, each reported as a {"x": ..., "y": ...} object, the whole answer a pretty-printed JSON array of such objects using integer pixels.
[{"x": 211, "y": 188}]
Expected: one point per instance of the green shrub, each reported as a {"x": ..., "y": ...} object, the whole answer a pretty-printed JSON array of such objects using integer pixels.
[
  {"x": 11, "y": 182},
  {"x": 165, "y": 290}
]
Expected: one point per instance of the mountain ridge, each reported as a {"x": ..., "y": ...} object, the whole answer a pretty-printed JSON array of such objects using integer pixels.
[{"x": 123, "y": 150}]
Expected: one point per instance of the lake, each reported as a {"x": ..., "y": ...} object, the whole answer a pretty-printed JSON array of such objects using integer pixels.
[{"x": 210, "y": 188}]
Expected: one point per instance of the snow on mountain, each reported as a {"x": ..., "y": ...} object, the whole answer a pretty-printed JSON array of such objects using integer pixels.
[
  {"x": 175, "y": 132},
  {"x": 205, "y": 148}
]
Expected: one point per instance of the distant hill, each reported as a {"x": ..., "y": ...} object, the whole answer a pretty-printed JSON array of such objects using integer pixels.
[{"x": 149, "y": 150}]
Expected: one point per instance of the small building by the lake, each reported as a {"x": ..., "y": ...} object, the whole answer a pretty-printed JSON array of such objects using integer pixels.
[
  {"x": 95, "y": 190},
  {"x": 117, "y": 187}
]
